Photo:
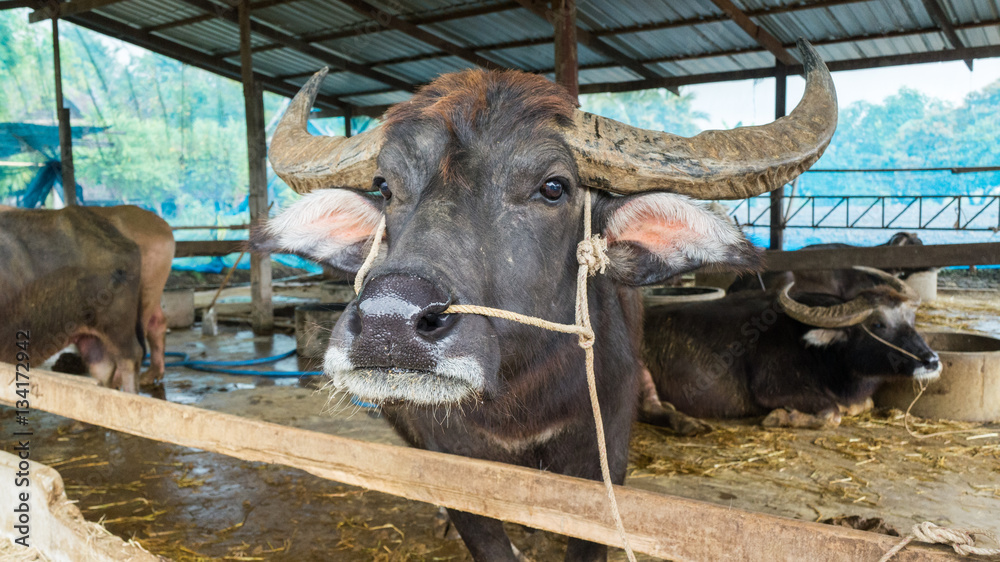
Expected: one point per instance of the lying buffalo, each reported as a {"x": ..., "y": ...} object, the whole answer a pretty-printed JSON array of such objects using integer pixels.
[
  {"x": 69, "y": 277},
  {"x": 481, "y": 179},
  {"x": 844, "y": 283},
  {"x": 805, "y": 358}
]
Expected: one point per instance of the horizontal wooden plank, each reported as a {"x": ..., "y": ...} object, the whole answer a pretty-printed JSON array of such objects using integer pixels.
[
  {"x": 659, "y": 525},
  {"x": 186, "y": 249},
  {"x": 885, "y": 257}
]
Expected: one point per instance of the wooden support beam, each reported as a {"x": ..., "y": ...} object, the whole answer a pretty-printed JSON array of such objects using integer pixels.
[
  {"x": 777, "y": 196},
  {"x": 67, "y": 172},
  {"x": 61, "y": 10},
  {"x": 757, "y": 33},
  {"x": 303, "y": 47},
  {"x": 209, "y": 248},
  {"x": 365, "y": 29},
  {"x": 257, "y": 49},
  {"x": 566, "y": 64},
  {"x": 591, "y": 40},
  {"x": 261, "y": 307},
  {"x": 178, "y": 23},
  {"x": 14, "y": 4},
  {"x": 198, "y": 59},
  {"x": 347, "y": 124},
  {"x": 390, "y": 21},
  {"x": 768, "y": 72},
  {"x": 940, "y": 17},
  {"x": 658, "y": 525},
  {"x": 887, "y": 257}
]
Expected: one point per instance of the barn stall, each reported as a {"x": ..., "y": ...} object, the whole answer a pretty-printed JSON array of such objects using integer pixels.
[{"x": 159, "y": 477}]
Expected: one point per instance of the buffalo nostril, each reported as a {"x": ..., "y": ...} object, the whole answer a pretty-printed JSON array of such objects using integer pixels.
[{"x": 433, "y": 323}]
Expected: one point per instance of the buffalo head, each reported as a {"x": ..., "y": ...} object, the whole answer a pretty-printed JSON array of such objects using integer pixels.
[
  {"x": 876, "y": 326},
  {"x": 481, "y": 179}
]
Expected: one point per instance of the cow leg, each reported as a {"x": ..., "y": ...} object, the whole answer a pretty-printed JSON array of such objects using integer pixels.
[
  {"x": 782, "y": 417},
  {"x": 484, "y": 537},
  {"x": 156, "y": 336},
  {"x": 94, "y": 354},
  {"x": 858, "y": 408},
  {"x": 583, "y": 551},
  {"x": 655, "y": 412}
]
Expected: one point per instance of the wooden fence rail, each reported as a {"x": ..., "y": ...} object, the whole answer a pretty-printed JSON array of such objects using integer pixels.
[{"x": 659, "y": 525}]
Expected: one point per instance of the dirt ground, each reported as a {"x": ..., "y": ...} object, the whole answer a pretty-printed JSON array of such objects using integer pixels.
[{"x": 186, "y": 504}]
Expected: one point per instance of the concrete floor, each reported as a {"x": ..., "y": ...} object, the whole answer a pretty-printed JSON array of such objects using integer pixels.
[{"x": 191, "y": 505}]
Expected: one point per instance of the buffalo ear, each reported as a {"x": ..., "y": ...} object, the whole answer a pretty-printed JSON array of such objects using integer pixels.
[
  {"x": 823, "y": 337},
  {"x": 655, "y": 236},
  {"x": 329, "y": 226}
]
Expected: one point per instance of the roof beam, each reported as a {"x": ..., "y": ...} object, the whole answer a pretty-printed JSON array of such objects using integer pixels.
[
  {"x": 56, "y": 9},
  {"x": 591, "y": 40},
  {"x": 179, "y": 23},
  {"x": 938, "y": 16},
  {"x": 769, "y": 72},
  {"x": 756, "y": 32},
  {"x": 144, "y": 39},
  {"x": 13, "y": 4},
  {"x": 292, "y": 42},
  {"x": 671, "y": 24},
  {"x": 695, "y": 56},
  {"x": 426, "y": 20},
  {"x": 392, "y": 22}
]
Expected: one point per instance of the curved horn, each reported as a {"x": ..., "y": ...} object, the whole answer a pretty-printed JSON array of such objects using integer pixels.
[
  {"x": 837, "y": 316},
  {"x": 307, "y": 162},
  {"x": 733, "y": 164},
  {"x": 891, "y": 280}
]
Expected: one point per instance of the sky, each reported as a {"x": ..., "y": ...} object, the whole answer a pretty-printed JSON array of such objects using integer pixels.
[{"x": 752, "y": 101}]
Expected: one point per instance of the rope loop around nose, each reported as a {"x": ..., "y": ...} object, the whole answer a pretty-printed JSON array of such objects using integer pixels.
[{"x": 592, "y": 253}]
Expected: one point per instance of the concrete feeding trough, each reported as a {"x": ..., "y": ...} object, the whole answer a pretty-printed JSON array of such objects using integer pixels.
[
  {"x": 969, "y": 387},
  {"x": 924, "y": 283},
  {"x": 178, "y": 307},
  {"x": 720, "y": 279},
  {"x": 313, "y": 324},
  {"x": 675, "y": 295},
  {"x": 57, "y": 531}
]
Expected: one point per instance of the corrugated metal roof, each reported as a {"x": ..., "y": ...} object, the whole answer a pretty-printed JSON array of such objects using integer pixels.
[{"x": 684, "y": 39}]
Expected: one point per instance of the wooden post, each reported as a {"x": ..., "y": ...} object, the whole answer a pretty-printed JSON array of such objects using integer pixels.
[
  {"x": 564, "y": 23},
  {"x": 777, "y": 196},
  {"x": 261, "y": 310},
  {"x": 65, "y": 128},
  {"x": 348, "y": 115}
]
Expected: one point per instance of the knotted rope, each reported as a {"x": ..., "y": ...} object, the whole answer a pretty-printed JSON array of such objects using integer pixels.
[
  {"x": 962, "y": 540},
  {"x": 591, "y": 255}
]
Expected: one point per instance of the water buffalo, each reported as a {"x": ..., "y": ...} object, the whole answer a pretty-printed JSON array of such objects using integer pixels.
[
  {"x": 844, "y": 283},
  {"x": 481, "y": 180},
  {"x": 805, "y": 359},
  {"x": 69, "y": 277},
  {"x": 156, "y": 244}
]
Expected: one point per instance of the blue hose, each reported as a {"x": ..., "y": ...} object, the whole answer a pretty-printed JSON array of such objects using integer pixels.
[{"x": 222, "y": 367}]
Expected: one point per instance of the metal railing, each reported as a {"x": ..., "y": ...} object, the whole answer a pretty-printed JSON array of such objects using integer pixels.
[{"x": 899, "y": 212}]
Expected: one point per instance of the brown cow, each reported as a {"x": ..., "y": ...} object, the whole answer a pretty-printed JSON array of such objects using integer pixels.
[
  {"x": 69, "y": 277},
  {"x": 156, "y": 243}
]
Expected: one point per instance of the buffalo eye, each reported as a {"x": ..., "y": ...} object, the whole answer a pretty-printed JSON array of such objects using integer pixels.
[
  {"x": 552, "y": 189},
  {"x": 382, "y": 186},
  {"x": 877, "y": 325}
]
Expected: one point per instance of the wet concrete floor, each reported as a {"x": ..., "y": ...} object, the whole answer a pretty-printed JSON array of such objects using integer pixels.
[{"x": 186, "y": 504}]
